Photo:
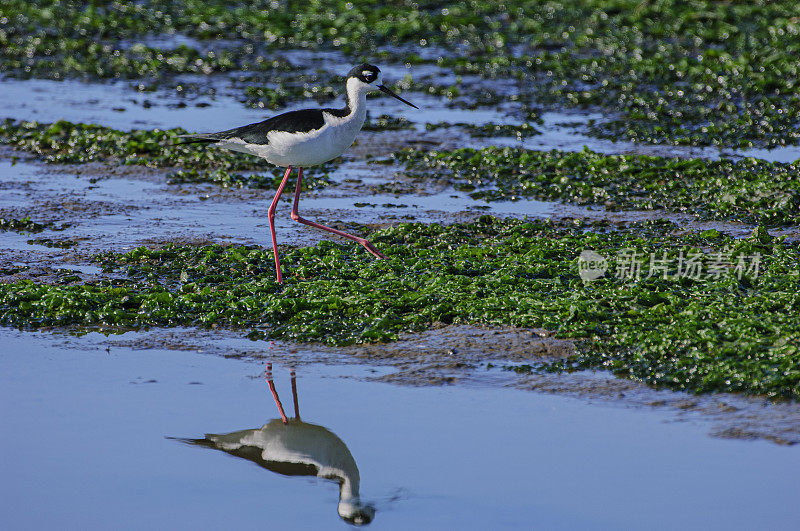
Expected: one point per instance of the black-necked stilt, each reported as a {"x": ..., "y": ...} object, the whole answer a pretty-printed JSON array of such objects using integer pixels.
[
  {"x": 295, "y": 448},
  {"x": 306, "y": 138}
]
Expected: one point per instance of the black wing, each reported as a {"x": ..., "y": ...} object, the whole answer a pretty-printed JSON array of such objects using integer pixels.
[
  {"x": 302, "y": 121},
  {"x": 255, "y": 454}
]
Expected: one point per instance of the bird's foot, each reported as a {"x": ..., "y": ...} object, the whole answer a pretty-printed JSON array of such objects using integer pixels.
[{"x": 371, "y": 248}]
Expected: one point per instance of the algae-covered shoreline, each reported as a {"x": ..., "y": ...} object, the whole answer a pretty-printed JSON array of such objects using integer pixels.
[
  {"x": 662, "y": 72},
  {"x": 726, "y": 325}
]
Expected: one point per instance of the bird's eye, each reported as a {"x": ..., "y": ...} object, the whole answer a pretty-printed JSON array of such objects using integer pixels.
[{"x": 369, "y": 76}]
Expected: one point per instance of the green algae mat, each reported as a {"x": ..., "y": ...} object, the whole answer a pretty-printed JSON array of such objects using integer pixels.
[
  {"x": 78, "y": 143},
  {"x": 700, "y": 312},
  {"x": 705, "y": 72},
  {"x": 748, "y": 190}
]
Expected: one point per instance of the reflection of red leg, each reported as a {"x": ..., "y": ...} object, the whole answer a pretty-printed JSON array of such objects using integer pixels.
[
  {"x": 296, "y": 216},
  {"x": 294, "y": 396},
  {"x": 271, "y": 216},
  {"x": 271, "y": 384}
]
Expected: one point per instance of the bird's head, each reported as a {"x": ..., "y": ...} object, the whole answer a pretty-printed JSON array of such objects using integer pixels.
[
  {"x": 356, "y": 513},
  {"x": 366, "y": 78}
]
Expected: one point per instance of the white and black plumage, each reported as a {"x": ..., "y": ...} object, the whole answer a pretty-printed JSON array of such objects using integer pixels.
[
  {"x": 292, "y": 447},
  {"x": 299, "y": 448},
  {"x": 305, "y": 138}
]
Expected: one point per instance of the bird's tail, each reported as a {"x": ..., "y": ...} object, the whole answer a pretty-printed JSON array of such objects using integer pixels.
[
  {"x": 196, "y": 442},
  {"x": 194, "y": 139}
]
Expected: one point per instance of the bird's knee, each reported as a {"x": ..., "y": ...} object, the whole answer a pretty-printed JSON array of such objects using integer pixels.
[{"x": 295, "y": 216}]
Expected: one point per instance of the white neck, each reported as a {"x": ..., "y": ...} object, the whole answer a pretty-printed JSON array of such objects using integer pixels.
[
  {"x": 349, "y": 502},
  {"x": 349, "y": 488},
  {"x": 357, "y": 96}
]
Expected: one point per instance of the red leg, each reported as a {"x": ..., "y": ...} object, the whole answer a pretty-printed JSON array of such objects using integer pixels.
[
  {"x": 296, "y": 216},
  {"x": 294, "y": 395},
  {"x": 271, "y": 384},
  {"x": 271, "y": 216}
]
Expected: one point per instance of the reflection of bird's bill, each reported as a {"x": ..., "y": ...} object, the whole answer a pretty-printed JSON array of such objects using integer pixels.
[
  {"x": 390, "y": 93},
  {"x": 388, "y": 501}
]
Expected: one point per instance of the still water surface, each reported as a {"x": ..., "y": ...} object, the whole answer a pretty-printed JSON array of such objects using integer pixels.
[{"x": 86, "y": 444}]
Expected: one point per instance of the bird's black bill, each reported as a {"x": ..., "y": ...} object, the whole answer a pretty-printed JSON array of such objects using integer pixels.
[{"x": 390, "y": 93}]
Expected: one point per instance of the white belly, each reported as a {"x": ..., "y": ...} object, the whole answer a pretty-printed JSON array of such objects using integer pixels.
[
  {"x": 304, "y": 149},
  {"x": 296, "y": 442}
]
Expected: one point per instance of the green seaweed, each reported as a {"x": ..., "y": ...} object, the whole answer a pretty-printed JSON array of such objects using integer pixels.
[
  {"x": 67, "y": 142},
  {"x": 385, "y": 122},
  {"x": 700, "y": 73},
  {"x": 50, "y": 242},
  {"x": 265, "y": 97},
  {"x": 748, "y": 190},
  {"x": 23, "y": 225},
  {"x": 731, "y": 328}
]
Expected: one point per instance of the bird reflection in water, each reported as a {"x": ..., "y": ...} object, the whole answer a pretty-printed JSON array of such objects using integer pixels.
[{"x": 292, "y": 447}]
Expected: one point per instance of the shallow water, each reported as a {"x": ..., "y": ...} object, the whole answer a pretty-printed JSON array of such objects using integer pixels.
[
  {"x": 118, "y": 105},
  {"x": 125, "y": 211},
  {"x": 85, "y": 446}
]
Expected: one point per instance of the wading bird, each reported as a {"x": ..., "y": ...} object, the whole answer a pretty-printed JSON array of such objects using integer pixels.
[
  {"x": 295, "y": 448},
  {"x": 305, "y": 138}
]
